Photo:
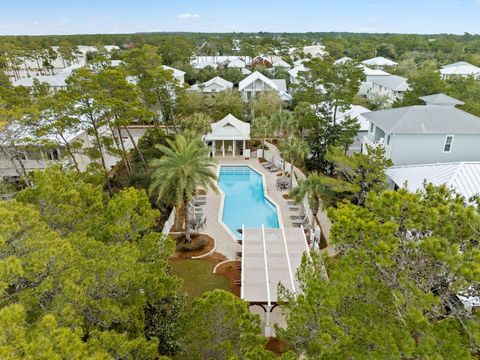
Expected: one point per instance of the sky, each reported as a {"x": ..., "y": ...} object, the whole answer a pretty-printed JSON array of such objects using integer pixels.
[{"x": 39, "y": 17}]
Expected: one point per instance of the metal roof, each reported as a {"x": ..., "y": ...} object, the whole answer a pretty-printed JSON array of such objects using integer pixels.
[
  {"x": 441, "y": 99},
  {"x": 379, "y": 61},
  {"x": 229, "y": 128},
  {"x": 460, "y": 68},
  {"x": 217, "y": 80},
  {"x": 256, "y": 76},
  {"x": 343, "y": 60},
  {"x": 373, "y": 72},
  {"x": 462, "y": 177},
  {"x": 425, "y": 119},
  {"x": 270, "y": 257},
  {"x": 392, "y": 82}
]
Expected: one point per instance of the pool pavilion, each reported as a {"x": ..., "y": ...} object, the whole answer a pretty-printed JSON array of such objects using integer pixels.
[{"x": 228, "y": 137}]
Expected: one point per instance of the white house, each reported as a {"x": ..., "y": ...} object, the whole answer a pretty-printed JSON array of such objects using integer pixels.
[
  {"x": 461, "y": 68},
  {"x": 355, "y": 112},
  {"x": 178, "y": 75},
  {"x": 315, "y": 51},
  {"x": 370, "y": 74},
  {"x": 461, "y": 177},
  {"x": 294, "y": 73},
  {"x": 213, "y": 85},
  {"x": 257, "y": 82},
  {"x": 56, "y": 81},
  {"x": 228, "y": 136},
  {"x": 379, "y": 63},
  {"x": 342, "y": 60},
  {"x": 423, "y": 134},
  {"x": 391, "y": 87},
  {"x": 50, "y": 149},
  {"x": 201, "y": 62}
]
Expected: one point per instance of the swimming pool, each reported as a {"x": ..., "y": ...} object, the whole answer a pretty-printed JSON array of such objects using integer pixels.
[{"x": 245, "y": 202}]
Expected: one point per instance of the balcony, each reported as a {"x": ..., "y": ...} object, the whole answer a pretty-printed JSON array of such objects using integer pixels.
[{"x": 367, "y": 141}]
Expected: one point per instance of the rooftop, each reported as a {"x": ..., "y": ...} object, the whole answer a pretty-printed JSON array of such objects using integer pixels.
[
  {"x": 441, "y": 99},
  {"x": 270, "y": 257},
  {"x": 229, "y": 128},
  {"x": 462, "y": 177},
  {"x": 392, "y": 82},
  {"x": 379, "y": 61},
  {"x": 425, "y": 119}
]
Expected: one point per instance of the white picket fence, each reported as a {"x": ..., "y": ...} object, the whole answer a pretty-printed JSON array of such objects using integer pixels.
[{"x": 170, "y": 221}]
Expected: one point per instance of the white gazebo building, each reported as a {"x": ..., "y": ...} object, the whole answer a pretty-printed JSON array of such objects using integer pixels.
[{"x": 229, "y": 137}]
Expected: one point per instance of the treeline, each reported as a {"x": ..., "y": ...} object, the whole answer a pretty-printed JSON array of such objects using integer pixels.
[{"x": 443, "y": 47}]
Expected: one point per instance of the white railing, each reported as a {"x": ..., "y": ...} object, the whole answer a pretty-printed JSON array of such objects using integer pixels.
[{"x": 170, "y": 221}]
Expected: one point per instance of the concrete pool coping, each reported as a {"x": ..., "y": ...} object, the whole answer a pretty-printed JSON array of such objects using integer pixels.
[{"x": 265, "y": 194}]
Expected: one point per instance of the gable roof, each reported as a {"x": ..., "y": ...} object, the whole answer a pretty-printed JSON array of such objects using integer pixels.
[
  {"x": 355, "y": 112},
  {"x": 254, "y": 77},
  {"x": 460, "y": 68},
  {"x": 392, "y": 82},
  {"x": 425, "y": 119},
  {"x": 373, "y": 72},
  {"x": 176, "y": 73},
  {"x": 463, "y": 177},
  {"x": 379, "y": 61},
  {"x": 229, "y": 128},
  {"x": 281, "y": 63},
  {"x": 224, "y": 84},
  {"x": 237, "y": 63},
  {"x": 441, "y": 99},
  {"x": 299, "y": 68},
  {"x": 343, "y": 60}
]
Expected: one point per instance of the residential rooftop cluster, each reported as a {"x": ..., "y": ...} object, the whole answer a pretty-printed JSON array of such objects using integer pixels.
[{"x": 292, "y": 200}]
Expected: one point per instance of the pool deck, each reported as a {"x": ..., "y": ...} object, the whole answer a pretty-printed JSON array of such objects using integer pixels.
[{"x": 225, "y": 243}]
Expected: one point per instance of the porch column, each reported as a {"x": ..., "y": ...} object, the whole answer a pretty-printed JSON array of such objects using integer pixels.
[
  {"x": 223, "y": 148},
  {"x": 234, "y": 146},
  {"x": 212, "y": 149},
  {"x": 244, "y": 146}
]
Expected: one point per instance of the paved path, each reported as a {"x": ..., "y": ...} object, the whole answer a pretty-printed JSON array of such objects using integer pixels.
[
  {"x": 322, "y": 217},
  {"x": 225, "y": 242}
]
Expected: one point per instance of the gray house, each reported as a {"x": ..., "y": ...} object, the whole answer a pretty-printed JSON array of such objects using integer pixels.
[{"x": 422, "y": 134}]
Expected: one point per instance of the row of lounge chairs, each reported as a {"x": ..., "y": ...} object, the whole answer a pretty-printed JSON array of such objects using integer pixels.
[
  {"x": 298, "y": 218},
  {"x": 270, "y": 166}
]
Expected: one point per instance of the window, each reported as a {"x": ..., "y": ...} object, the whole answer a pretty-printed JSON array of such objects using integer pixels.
[
  {"x": 448, "y": 143},
  {"x": 388, "y": 139},
  {"x": 52, "y": 154},
  {"x": 371, "y": 127}
]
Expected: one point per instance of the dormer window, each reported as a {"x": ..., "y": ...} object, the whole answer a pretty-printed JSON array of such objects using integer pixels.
[{"x": 447, "y": 147}]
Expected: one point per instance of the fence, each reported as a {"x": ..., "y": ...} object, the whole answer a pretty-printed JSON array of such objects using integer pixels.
[
  {"x": 170, "y": 221},
  {"x": 279, "y": 162}
]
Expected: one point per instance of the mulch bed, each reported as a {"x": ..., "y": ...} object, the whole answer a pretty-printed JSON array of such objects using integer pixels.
[
  {"x": 286, "y": 196},
  {"x": 275, "y": 345},
  {"x": 195, "y": 238},
  {"x": 230, "y": 271}
]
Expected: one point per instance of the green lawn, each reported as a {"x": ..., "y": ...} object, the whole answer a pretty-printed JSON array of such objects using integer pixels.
[{"x": 197, "y": 277}]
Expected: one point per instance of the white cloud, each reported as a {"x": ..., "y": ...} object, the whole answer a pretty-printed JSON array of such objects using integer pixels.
[{"x": 188, "y": 16}]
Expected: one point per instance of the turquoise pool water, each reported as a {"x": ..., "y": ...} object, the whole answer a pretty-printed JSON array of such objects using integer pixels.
[{"x": 245, "y": 202}]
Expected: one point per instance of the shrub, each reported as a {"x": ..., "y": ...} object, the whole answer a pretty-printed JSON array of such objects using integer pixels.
[{"x": 192, "y": 246}]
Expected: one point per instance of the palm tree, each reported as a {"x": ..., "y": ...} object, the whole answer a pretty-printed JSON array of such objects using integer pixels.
[
  {"x": 262, "y": 127},
  {"x": 285, "y": 123},
  {"x": 183, "y": 168},
  {"x": 312, "y": 187},
  {"x": 294, "y": 150}
]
